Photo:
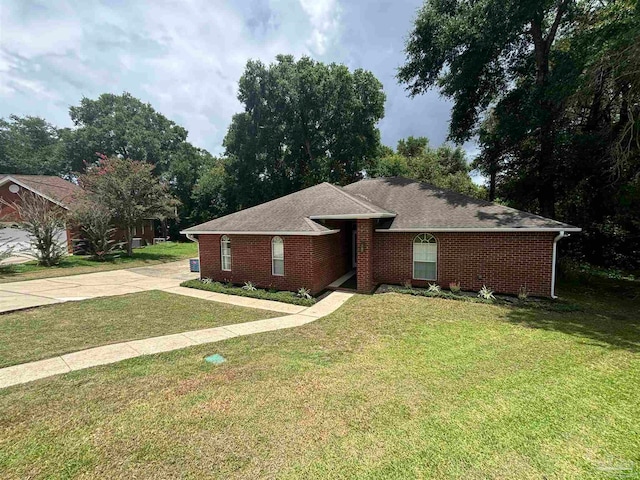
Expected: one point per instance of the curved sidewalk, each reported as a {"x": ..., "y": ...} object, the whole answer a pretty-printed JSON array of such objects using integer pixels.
[{"x": 116, "y": 352}]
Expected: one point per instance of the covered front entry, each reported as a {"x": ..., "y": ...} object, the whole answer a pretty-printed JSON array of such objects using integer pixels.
[{"x": 356, "y": 246}]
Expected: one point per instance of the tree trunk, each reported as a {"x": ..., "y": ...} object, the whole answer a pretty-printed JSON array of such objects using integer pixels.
[
  {"x": 546, "y": 152},
  {"x": 129, "y": 238}
]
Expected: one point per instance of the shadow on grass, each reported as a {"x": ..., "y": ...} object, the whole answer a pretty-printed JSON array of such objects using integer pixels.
[{"x": 609, "y": 315}]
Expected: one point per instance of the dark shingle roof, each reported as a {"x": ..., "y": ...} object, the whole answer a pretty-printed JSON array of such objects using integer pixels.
[
  {"x": 399, "y": 203},
  {"x": 55, "y": 188},
  {"x": 422, "y": 206},
  {"x": 294, "y": 212}
]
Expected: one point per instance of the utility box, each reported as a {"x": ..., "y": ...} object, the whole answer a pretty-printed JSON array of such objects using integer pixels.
[{"x": 194, "y": 264}]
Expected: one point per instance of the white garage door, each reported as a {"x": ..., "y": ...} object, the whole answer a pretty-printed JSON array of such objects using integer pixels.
[{"x": 19, "y": 240}]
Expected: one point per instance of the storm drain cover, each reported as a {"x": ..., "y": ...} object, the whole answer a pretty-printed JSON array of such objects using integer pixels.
[{"x": 216, "y": 359}]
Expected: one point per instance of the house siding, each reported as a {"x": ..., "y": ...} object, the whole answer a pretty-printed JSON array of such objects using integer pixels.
[
  {"x": 251, "y": 261},
  {"x": 502, "y": 261}
]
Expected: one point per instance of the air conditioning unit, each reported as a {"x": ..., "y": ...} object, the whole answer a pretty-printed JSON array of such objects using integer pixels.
[
  {"x": 136, "y": 243},
  {"x": 159, "y": 240}
]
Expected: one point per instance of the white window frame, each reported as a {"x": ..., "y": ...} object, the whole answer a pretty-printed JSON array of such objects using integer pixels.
[
  {"x": 420, "y": 239},
  {"x": 225, "y": 242},
  {"x": 275, "y": 240}
]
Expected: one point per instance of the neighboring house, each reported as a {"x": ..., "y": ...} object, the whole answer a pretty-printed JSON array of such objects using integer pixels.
[
  {"x": 389, "y": 230},
  {"x": 59, "y": 192}
]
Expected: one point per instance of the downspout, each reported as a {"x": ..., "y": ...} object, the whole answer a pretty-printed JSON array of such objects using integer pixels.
[{"x": 553, "y": 264}]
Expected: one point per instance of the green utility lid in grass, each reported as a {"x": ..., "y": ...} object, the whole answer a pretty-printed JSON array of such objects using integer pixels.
[{"x": 216, "y": 359}]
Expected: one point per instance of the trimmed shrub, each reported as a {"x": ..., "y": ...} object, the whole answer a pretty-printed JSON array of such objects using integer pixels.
[{"x": 285, "y": 297}]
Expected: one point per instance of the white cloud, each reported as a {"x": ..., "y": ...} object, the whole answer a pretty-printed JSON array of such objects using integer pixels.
[
  {"x": 324, "y": 16},
  {"x": 185, "y": 56}
]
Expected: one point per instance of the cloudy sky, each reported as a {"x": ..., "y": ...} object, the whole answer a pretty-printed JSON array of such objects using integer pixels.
[{"x": 185, "y": 57}]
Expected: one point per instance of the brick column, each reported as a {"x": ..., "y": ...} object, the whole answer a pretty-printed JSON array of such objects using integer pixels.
[{"x": 364, "y": 248}]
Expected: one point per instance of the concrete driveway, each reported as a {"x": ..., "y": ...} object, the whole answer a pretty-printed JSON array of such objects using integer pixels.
[{"x": 34, "y": 293}]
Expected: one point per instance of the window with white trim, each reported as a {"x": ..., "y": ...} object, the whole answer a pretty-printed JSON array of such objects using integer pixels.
[
  {"x": 225, "y": 253},
  {"x": 425, "y": 257},
  {"x": 277, "y": 256}
]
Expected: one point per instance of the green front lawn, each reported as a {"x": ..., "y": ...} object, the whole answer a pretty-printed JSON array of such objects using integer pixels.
[
  {"x": 57, "y": 329},
  {"x": 74, "y": 265},
  {"x": 389, "y": 386}
]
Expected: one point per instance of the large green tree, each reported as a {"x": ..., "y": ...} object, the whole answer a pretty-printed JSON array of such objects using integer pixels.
[
  {"x": 477, "y": 53},
  {"x": 30, "y": 145},
  {"x": 552, "y": 89},
  {"x": 125, "y": 126},
  {"x": 303, "y": 122},
  {"x": 444, "y": 167}
]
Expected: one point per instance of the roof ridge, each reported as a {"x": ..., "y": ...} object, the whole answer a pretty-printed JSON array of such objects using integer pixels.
[{"x": 359, "y": 202}]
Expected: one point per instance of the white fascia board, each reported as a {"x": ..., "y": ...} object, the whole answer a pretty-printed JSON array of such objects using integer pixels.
[
  {"x": 228, "y": 232},
  {"x": 18, "y": 182},
  {"x": 480, "y": 230},
  {"x": 353, "y": 216}
]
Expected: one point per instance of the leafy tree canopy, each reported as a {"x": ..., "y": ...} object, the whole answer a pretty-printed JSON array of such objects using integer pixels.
[
  {"x": 123, "y": 125},
  {"x": 30, "y": 145},
  {"x": 304, "y": 122},
  {"x": 444, "y": 167}
]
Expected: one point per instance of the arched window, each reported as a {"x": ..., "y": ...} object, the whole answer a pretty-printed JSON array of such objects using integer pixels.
[
  {"x": 225, "y": 253},
  {"x": 277, "y": 256},
  {"x": 425, "y": 257}
]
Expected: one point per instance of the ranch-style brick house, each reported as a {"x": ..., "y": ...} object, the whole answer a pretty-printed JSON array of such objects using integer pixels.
[{"x": 382, "y": 230}]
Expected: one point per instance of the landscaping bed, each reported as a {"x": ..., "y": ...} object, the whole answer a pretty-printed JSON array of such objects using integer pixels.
[
  {"x": 276, "y": 296},
  {"x": 529, "y": 302}
]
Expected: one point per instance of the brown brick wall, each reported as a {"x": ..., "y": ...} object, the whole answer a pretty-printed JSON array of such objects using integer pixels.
[
  {"x": 502, "y": 261},
  {"x": 365, "y": 249},
  {"x": 251, "y": 261},
  {"x": 331, "y": 257}
]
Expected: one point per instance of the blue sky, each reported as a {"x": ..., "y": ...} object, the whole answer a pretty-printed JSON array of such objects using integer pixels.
[{"x": 185, "y": 57}]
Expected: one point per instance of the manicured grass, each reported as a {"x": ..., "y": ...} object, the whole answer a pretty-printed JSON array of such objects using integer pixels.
[
  {"x": 74, "y": 265},
  {"x": 53, "y": 330},
  {"x": 389, "y": 386},
  {"x": 286, "y": 297}
]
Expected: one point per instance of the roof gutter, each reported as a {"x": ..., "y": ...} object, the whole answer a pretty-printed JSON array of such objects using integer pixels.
[
  {"x": 480, "y": 229},
  {"x": 352, "y": 216},
  {"x": 553, "y": 263},
  {"x": 231, "y": 232}
]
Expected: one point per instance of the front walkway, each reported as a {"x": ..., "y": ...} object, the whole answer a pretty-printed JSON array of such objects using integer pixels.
[{"x": 116, "y": 352}]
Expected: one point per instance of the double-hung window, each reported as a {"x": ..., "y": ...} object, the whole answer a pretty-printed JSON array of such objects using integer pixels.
[
  {"x": 277, "y": 256},
  {"x": 425, "y": 257},
  {"x": 225, "y": 253}
]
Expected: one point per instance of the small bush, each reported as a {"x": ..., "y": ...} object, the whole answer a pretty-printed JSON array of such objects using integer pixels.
[
  {"x": 248, "y": 286},
  {"x": 455, "y": 287},
  {"x": 304, "y": 293},
  {"x": 434, "y": 288},
  {"x": 285, "y": 297},
  {"x": 486, "y": 293},
  {"x": 523, "y": 293},
  {"x": 408, "y": 284}
]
